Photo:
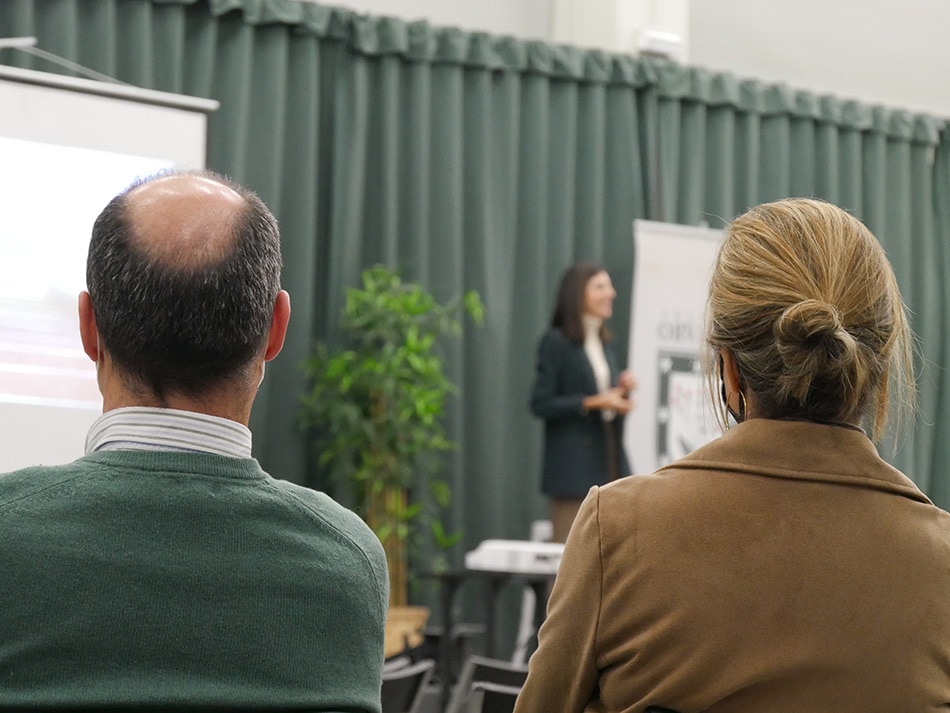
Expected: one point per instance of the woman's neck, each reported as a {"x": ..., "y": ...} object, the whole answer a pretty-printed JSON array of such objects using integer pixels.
[{"x": 591, "y": 324}]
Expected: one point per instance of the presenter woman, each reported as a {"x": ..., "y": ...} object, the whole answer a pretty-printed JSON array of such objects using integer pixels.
[
  {"x": 785, "y": 566},
  {"x": 581, "y": 395}
]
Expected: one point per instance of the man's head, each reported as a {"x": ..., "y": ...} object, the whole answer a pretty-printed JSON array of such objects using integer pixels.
[{"x": 184, "y": 285}]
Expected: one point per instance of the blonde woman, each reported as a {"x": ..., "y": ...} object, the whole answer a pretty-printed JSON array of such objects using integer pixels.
[{"x": 784, "y": 567}]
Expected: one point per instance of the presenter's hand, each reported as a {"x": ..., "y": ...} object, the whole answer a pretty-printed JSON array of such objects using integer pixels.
[
  {"x": 623, "y": 403},
  {"x": 614, "y": 399},
  {"x": 627, "y": 382}
]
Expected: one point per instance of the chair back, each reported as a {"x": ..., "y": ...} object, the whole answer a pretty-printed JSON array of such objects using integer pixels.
[
  {"x": 484, "y": 670},
  {"x": 492, "y": 698},
  {"x": 395, "y": 663},
  {"x": 404, "y": 687}
]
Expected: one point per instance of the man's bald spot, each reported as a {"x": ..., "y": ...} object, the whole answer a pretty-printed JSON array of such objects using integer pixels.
[{"x": 184, "y": 220}]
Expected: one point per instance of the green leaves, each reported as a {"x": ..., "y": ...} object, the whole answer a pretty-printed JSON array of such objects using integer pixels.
[
  {"x": 376, "y": 406},
  {"x": 474, "y": 306}
]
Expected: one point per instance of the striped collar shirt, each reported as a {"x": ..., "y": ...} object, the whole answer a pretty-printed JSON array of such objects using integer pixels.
[{"x": 141, "y": 428}]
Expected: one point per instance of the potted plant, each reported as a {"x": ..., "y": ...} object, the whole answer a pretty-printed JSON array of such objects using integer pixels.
[{"x": 375, "y": 409}]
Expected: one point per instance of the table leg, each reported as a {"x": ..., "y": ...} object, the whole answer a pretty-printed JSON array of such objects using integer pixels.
[
  {"x": 447, "y": 596},
  {"x": 494, "y": 585}
]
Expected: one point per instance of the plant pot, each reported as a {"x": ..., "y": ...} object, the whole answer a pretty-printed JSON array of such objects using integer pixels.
[{"x": 405, "y": 626}]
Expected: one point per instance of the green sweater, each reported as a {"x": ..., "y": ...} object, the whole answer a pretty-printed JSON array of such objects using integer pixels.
[{"x": 179, "y": 579}]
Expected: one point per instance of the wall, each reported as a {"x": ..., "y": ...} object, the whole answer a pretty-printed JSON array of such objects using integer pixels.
[
  {"x": 529, "y": 19},
  {"x": 873, "y": 50},
  {"x": 881, "y": 52}
]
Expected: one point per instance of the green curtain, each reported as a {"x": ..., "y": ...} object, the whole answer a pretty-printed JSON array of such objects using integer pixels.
[
  {"x": 937, "y": 336},
  {"x": 489, "y": 163}
]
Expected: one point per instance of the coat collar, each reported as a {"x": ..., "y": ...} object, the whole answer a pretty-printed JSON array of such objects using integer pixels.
[{"x": 800, "y": 450}]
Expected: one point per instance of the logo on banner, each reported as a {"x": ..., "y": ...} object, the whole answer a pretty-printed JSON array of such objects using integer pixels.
[{"x": 682, "y": 418}]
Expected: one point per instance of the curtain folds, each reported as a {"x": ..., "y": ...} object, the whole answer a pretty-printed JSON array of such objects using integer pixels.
[{"x": 481, "y": 162}]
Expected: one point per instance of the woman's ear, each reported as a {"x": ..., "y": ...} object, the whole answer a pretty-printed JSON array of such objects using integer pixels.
[
  {"x": 729, "y": 371},
  {"x": 732, "y": 386}
]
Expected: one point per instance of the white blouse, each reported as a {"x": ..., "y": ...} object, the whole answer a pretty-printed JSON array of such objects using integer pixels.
[{"x": 594, "y": 349}]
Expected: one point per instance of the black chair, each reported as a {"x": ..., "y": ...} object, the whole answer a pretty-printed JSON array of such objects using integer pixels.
[
  {"x": 396, "y": 663},
  {"x": 480, "y": 669},
  {"x": 459, "y": 645},
  {"x": 404, "y": 687},
  {"x": 492, "y": 698}
]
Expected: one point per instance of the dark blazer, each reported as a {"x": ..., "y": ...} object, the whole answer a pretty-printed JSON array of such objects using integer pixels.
[
  {"x": 575, "y": 445},
  {"x": 784, "y": 567}
]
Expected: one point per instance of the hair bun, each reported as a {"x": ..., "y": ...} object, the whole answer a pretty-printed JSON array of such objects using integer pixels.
[
  {"x": 815, "y": 348},
  {"x": 803, "y": 296},
  {"x": 808, "y": 323}
]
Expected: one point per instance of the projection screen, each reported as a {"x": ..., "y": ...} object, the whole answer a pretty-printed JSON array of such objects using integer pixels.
[{"x": 67, "y": 146}]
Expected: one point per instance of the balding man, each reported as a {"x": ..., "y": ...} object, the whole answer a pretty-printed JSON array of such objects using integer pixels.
[{"x": 165, "y": 568}]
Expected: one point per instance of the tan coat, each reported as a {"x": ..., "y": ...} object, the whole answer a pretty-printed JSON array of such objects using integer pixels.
[{"x": 784, "y": 567}]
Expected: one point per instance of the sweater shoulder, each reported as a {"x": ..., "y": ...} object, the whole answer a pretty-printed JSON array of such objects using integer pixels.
[
  {"x": 350, "y": 531},
  {"x": 320, "y": 505},
  {"x": 24, "y": 482}
]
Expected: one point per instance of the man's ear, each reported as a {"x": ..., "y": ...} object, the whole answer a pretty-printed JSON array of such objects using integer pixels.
[
  {"x": 87, "y": 327},
  {"x": 278, "y": 325}
]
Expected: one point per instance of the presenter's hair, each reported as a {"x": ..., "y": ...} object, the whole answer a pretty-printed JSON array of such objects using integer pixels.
[
  {"x": 569, "y": 303},
  {"x": 184, "y": 329},
  {"x": 806, "y": 301}
]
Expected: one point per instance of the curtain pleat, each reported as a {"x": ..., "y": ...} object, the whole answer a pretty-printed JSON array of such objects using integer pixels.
[
  {"x": 937, "y": 336},
  {"x": 479, "y": 162}
]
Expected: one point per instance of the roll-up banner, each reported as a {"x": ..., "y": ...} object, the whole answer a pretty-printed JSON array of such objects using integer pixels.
[{"x": 673, "y": 413}]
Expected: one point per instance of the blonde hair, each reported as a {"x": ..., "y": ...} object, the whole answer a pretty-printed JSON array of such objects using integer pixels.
[{"x": 804, "y": 298}]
